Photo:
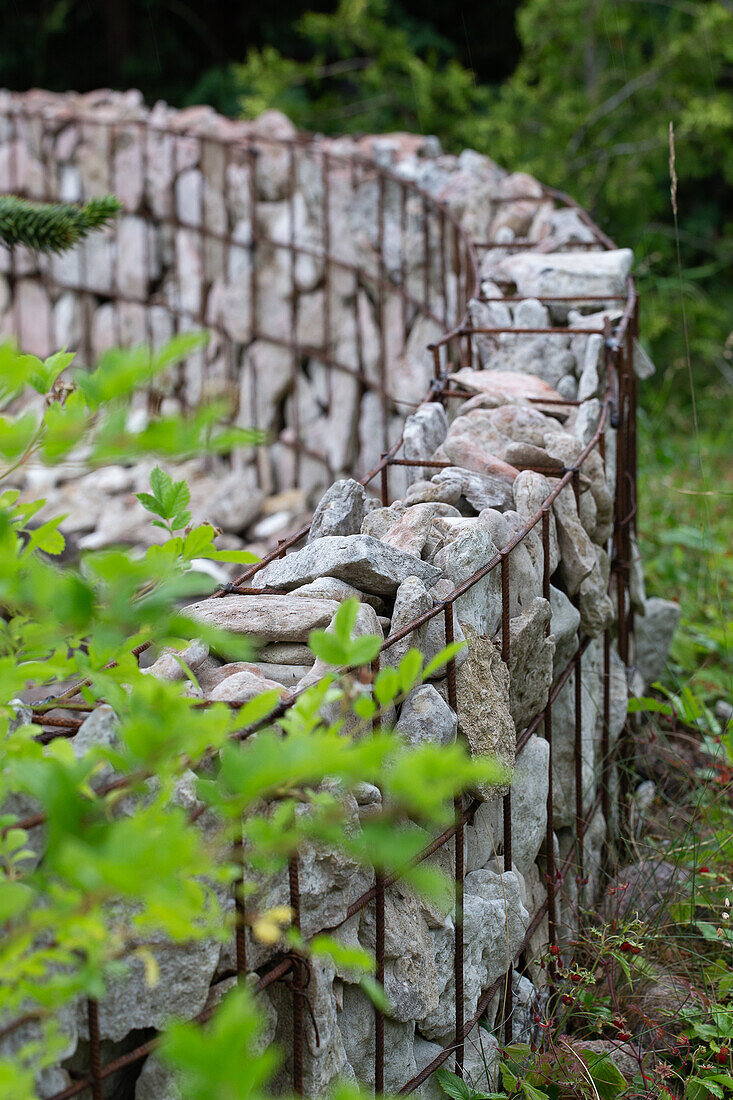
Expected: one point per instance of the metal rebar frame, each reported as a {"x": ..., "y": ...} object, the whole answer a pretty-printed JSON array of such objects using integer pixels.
[{"x": 437, "y": 286}]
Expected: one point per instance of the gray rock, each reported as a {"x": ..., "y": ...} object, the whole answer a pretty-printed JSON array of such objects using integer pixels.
[
  {"x": 530, "y": 662},
  {"x": 425, "y": 717},
  {"x": 286, "y": 653},
  {"x": 564, "y": 625},
  {"x": 157, "y": 1082},
  {"x": 98, "y": 731},
  {"x": 360, "y": 560},
  {"x": 243, "y": 686},
  {"x": 530, "y": 782},
  {"x": 379, "y": 521},
  {"x": 169, "y": 665},
  {"x": 570, "y": 274},
  {"x": 654, "y": 631},
  {"x": 328, "y": 588},
  {"x": 412, "y": 530},
  {"x": 439, "y": 490},
  {"x": 563, "y": 741},
  {"x": 482, "y": 684},
  {"x": 411, "y": 978},
  {"x": 324, "y": 1057},
  {"x": 340, "y": 510},
  {"x": 411, "y": 601},
  {"x": 480, "y": 490},
  {"x": 480, "y": 606},
  {"x": 131, "y": 1003},
  {"x": 531, "y": 490},
  {"x": 423, "y": 433},
  {"x": 495, "y": 921},
  {"x": 577, "y": 554},
  {"x": 596, "y": 608},
  {"x": 270, "y": 618},
  {"x": 356, "y": 1024}
]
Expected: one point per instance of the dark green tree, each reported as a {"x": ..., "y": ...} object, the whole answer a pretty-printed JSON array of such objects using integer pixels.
[{"x": 52, "y": 227}]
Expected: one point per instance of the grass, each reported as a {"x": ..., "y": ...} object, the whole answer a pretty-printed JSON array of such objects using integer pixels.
[{"x": 686, "y": 524}]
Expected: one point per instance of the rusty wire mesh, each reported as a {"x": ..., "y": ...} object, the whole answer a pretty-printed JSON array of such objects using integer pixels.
[{"x": 436, "y": 284}]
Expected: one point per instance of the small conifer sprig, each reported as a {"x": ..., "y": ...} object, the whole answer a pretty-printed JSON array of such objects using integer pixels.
[{"x": 53, "y": 227}]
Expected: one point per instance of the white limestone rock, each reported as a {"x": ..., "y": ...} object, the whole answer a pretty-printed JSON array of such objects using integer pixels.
[
  {"x": 340, "y": 510},
  {"x": 654, "y": 631},
  {"x": 360, "y": 560},
  {"x": 425, "y": 718}
]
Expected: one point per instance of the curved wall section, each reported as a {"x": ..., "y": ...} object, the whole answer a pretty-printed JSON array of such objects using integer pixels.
[{"x": 463, "y": 339}]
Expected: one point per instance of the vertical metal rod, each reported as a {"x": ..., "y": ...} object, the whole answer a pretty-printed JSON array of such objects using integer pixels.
[
  {"x": 606, "y": 769},
  {"x": 426, "y": 255},
  {"x": 384, "y": 484},
  {"x": 381, "y": 311},
  {"x": 326, "y": 217},
  {"x": 403, "y": 254},
  {"x": 443, "y": 268},
  {"x": 240, "y": 931},
  {"x": 297, "y": 982},
  {"x": 458, "y": 951},
  {"x": 253, "y": 153},
  {"x": 95, "y": 1056},
  {"x": 550, "y": 830},
  {"x": 507, "y": 802},
  {"x": 295, "y": 358},
  {"x": 378, "y": 1014}
]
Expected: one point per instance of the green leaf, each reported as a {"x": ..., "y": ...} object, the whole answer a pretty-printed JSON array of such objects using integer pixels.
[
  {"x": 409, "y": 669},
  {"x": 649, "y": 705},
  {"x": 344, "y": 620},
  {"x": 15, "y": 898},
  {"x": 328, "y": 648},
  {"x": 386, "y": 685},
  {"x": 607, "y": 1078},
  {"x": 453, "y": 1085}
]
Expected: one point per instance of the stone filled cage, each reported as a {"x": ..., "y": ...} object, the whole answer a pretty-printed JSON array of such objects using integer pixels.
[{"x": 325, "y": 339}]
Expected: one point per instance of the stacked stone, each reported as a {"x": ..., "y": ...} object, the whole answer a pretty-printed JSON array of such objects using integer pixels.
[{"x": 399, "y": 561}]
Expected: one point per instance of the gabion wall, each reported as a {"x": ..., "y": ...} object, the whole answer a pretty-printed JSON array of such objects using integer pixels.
[{"x": 463, "y": 338}]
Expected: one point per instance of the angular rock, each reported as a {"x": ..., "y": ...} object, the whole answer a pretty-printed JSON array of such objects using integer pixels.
[
  {"x": 577, "y": 554},
  {"x": 356, "y": 1024},
  {"x": 131, "y": 1003},
  {"x": 270, "y": 618},
  {"x": 324, "y": 1057},
  {"x": 484, "y": 719},
  {"x": 328, "y": 588},
  {"x": 286, "y": 653},
  {"x": 570, "y": 274},
  {"x": 495, "y": 921},
  {"x": 504, "y": 385},
  {"x": 530, "y": 662},
  {"x": 596, "y": 607},
  {"x": 480, "y": 606},
  {"x": 468, "y": 456},
  {"x": 425, "y": 718},
  {"x": 442, "y": 490},
  {"x": 480, "y": 490},
  {"x": 360, "y": 560},
  {"x": 340, "y": 510},
  {"x": 654, "y": 631},
  {"x": 411, "y": 978},
  {"x": 564, "y": 625},
  {"x": 412, "y": 530},
  {"x": 424, "y": 431},
  {"x": 242, "y": 686},
  {"x": 169, "y": 666}
]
